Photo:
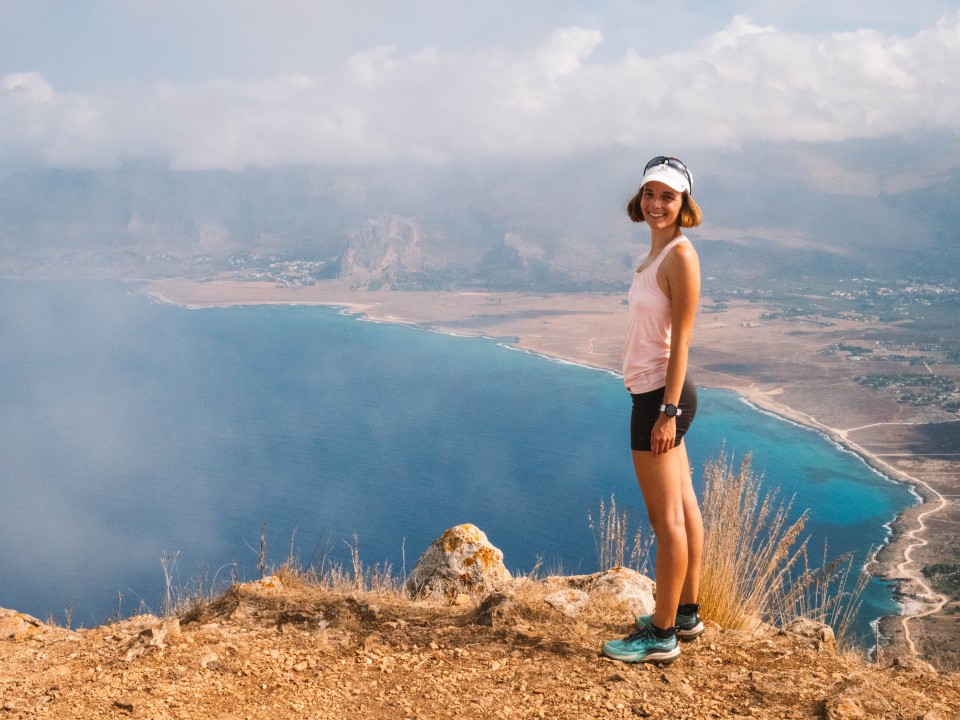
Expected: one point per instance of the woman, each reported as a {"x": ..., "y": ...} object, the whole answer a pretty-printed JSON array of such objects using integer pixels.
[{"x": 663, "y": 301}]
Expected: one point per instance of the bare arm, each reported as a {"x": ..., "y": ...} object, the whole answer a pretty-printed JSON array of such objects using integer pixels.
[{"x": 680, "y": 280}]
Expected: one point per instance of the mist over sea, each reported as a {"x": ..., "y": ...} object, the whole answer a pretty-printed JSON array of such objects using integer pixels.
[{"x": 132, "y": 430}]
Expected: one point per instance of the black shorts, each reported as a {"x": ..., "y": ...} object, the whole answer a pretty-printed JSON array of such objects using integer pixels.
[{"x": 646, "y": 410}]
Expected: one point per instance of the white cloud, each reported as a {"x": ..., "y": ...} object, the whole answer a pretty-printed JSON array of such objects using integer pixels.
[
  {"x": 746, "y": 82},
  {"x": 28, "y": 88},
  {"x": 564, "y": 52},
  {"x": 39, "y": 124}
]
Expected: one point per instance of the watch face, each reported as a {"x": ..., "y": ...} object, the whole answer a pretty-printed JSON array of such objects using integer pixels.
[{"x": 670, "y": 410}]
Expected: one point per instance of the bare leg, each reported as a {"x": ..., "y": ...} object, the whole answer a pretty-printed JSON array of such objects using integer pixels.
[
  {"x": 675, "y": 517},
  {"x": 693, "y": 523}
]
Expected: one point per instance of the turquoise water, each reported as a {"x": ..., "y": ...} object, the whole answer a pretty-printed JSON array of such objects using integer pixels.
[{"x": 134, "y": 430}]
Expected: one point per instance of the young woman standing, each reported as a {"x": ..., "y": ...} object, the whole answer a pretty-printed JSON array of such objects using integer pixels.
[{"x": 663, "y": 300}]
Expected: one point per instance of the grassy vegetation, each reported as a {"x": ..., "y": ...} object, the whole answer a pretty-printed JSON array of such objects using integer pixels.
[
  {"x": 756, "y": 565},
  {"x": 756, "y": 568},
  {"x": 945, "y": 577},
  {"x": 611, "y": 536},
  {"x": 748, "y": 548}
]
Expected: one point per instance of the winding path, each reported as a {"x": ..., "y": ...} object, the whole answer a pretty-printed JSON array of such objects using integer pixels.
[
  {"x": 935, "y": 605},
  {"x": 928, "y": 602}
]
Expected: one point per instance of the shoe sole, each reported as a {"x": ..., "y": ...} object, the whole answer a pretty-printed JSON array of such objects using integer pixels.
[
  {"x": 664, "y": 658},
  {"x": 691, "y": 633}
]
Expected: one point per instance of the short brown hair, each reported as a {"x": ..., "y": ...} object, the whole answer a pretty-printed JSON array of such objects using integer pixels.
[{"x": 690, "y": 213}]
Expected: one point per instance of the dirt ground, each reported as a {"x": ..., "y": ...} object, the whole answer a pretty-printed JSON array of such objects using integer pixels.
[{"x": 305, "y": 652}]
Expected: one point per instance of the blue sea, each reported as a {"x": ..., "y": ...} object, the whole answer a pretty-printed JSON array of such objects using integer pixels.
[{"x": 135, "y": 433}]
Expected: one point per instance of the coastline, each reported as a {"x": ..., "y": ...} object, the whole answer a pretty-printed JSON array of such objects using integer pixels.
[{"x": 546, "y": 326}]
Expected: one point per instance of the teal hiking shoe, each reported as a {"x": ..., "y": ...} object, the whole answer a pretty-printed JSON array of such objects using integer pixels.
[
  {"x": 689, "y": 627},
  {"x": 643, "y": 646}
]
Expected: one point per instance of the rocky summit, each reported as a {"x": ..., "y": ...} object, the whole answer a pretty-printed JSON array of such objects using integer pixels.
[{"x": 520, "y": 647}]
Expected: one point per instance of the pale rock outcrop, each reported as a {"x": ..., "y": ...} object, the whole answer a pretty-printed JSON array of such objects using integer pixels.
[
  {"x": 385, "y": 248},
  {"x": 496, "y": 608},
  {"x": 155, "y": 637},
  {"x": 460, "y": 559},
  {"x": 619, "y": 584},
  {"x": 820, "y": 635},
  {"x": 909, "y": 663},
  {"x": 570, "y": 602},
  {"x": 615, "y": 590},
  {"x": 14, "y": 624},
  {"x": 267, "y": 584}
]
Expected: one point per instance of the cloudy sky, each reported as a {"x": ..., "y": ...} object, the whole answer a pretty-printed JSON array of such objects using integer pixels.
[{"x": 232, "y": 84}]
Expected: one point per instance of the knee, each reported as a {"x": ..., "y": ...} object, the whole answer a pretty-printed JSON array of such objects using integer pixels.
[{"x": 669, "y": 526}]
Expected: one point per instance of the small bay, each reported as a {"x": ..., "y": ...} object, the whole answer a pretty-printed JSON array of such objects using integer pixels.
[{"x": 134, "y": 431}]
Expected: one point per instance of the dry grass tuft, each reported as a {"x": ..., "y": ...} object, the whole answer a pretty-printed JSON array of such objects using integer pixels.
[
  {"x": 756, "y": 568},
  {"x": 611, "y": 532},
  {"x": 748, "y": 550}
]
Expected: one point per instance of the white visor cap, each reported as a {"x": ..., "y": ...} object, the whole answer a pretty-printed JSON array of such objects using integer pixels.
[{"x": 668, "y": 175}]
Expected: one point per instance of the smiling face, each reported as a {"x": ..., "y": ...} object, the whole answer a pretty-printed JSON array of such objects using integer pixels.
[{"x": 661, "y": 205}]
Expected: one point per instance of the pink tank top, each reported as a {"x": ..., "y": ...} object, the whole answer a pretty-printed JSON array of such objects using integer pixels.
[{"x": 647, "y": 346}]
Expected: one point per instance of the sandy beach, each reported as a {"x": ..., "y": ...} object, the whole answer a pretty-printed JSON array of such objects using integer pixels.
[{"x": 777, "y": 365}]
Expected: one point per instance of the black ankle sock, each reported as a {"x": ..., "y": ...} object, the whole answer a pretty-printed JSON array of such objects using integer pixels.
[
  {"x": 688, "y": 609},
  {"x": 664, "y": 634}
]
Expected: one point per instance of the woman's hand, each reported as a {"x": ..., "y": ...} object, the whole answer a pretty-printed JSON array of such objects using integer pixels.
[{"x": 663, "y": 435}]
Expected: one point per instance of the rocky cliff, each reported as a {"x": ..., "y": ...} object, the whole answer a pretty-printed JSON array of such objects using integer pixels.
[{"x": 387, "y": 248}]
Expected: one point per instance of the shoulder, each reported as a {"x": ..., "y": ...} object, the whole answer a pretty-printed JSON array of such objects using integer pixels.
[
  {"x": 683, "y": 257},
  {"x": 681, "y": 273}
]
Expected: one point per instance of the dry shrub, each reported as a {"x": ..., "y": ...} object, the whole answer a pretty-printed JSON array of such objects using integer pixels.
[
  {"x": 821, "y": 594},
  {"x": 747, "y": 553},
  {"x": 611, "y": 531},
  {"x": 756, "y": 567},
  {"x": 377, "y": 579}
]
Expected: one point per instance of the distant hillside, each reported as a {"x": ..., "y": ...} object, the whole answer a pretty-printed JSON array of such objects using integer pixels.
[{"x": 549, "y": 226}]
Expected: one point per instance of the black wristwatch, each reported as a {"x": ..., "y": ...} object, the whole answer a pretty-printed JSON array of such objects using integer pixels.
[{"x": 671, "y": 410}]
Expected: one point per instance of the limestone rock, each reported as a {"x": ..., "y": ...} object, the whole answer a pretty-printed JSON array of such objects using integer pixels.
[
  {"x": 820, "y": 635},
  {"x": 844, "y": 708},
  {"x": 859, "y": 701},
  {"x": 627, "y": 586},
  {"x": 14, "y": 625},
  {"x": 619, "y": 584},
  {"x": 495, "y": 609},
  {"x": 570, "y": 602},
  {"x": 386, "y": 248},
  {"x": 912, "y": 664},
  {"x": 154, "y": 638},
  {"x": 460, "y": 559},
  {"x": 268, "y": 584}
]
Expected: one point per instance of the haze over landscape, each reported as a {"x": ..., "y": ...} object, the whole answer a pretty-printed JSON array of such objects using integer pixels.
[{"x": 155, "y": 139}]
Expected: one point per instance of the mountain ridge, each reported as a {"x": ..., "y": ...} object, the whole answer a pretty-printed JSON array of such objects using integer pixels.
[{"x": 534, "y": 228}]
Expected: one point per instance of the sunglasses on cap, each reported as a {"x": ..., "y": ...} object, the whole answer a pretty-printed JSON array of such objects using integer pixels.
[{"x": 675, "y": 164}]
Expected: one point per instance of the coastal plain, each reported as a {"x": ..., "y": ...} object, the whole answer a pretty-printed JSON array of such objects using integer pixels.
[{"x": 789, "y": 367}]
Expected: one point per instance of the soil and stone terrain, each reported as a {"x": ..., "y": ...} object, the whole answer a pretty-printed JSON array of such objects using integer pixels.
[
  {"x": 460, "y": 637},
  {"x": 288, "y": 650}
]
